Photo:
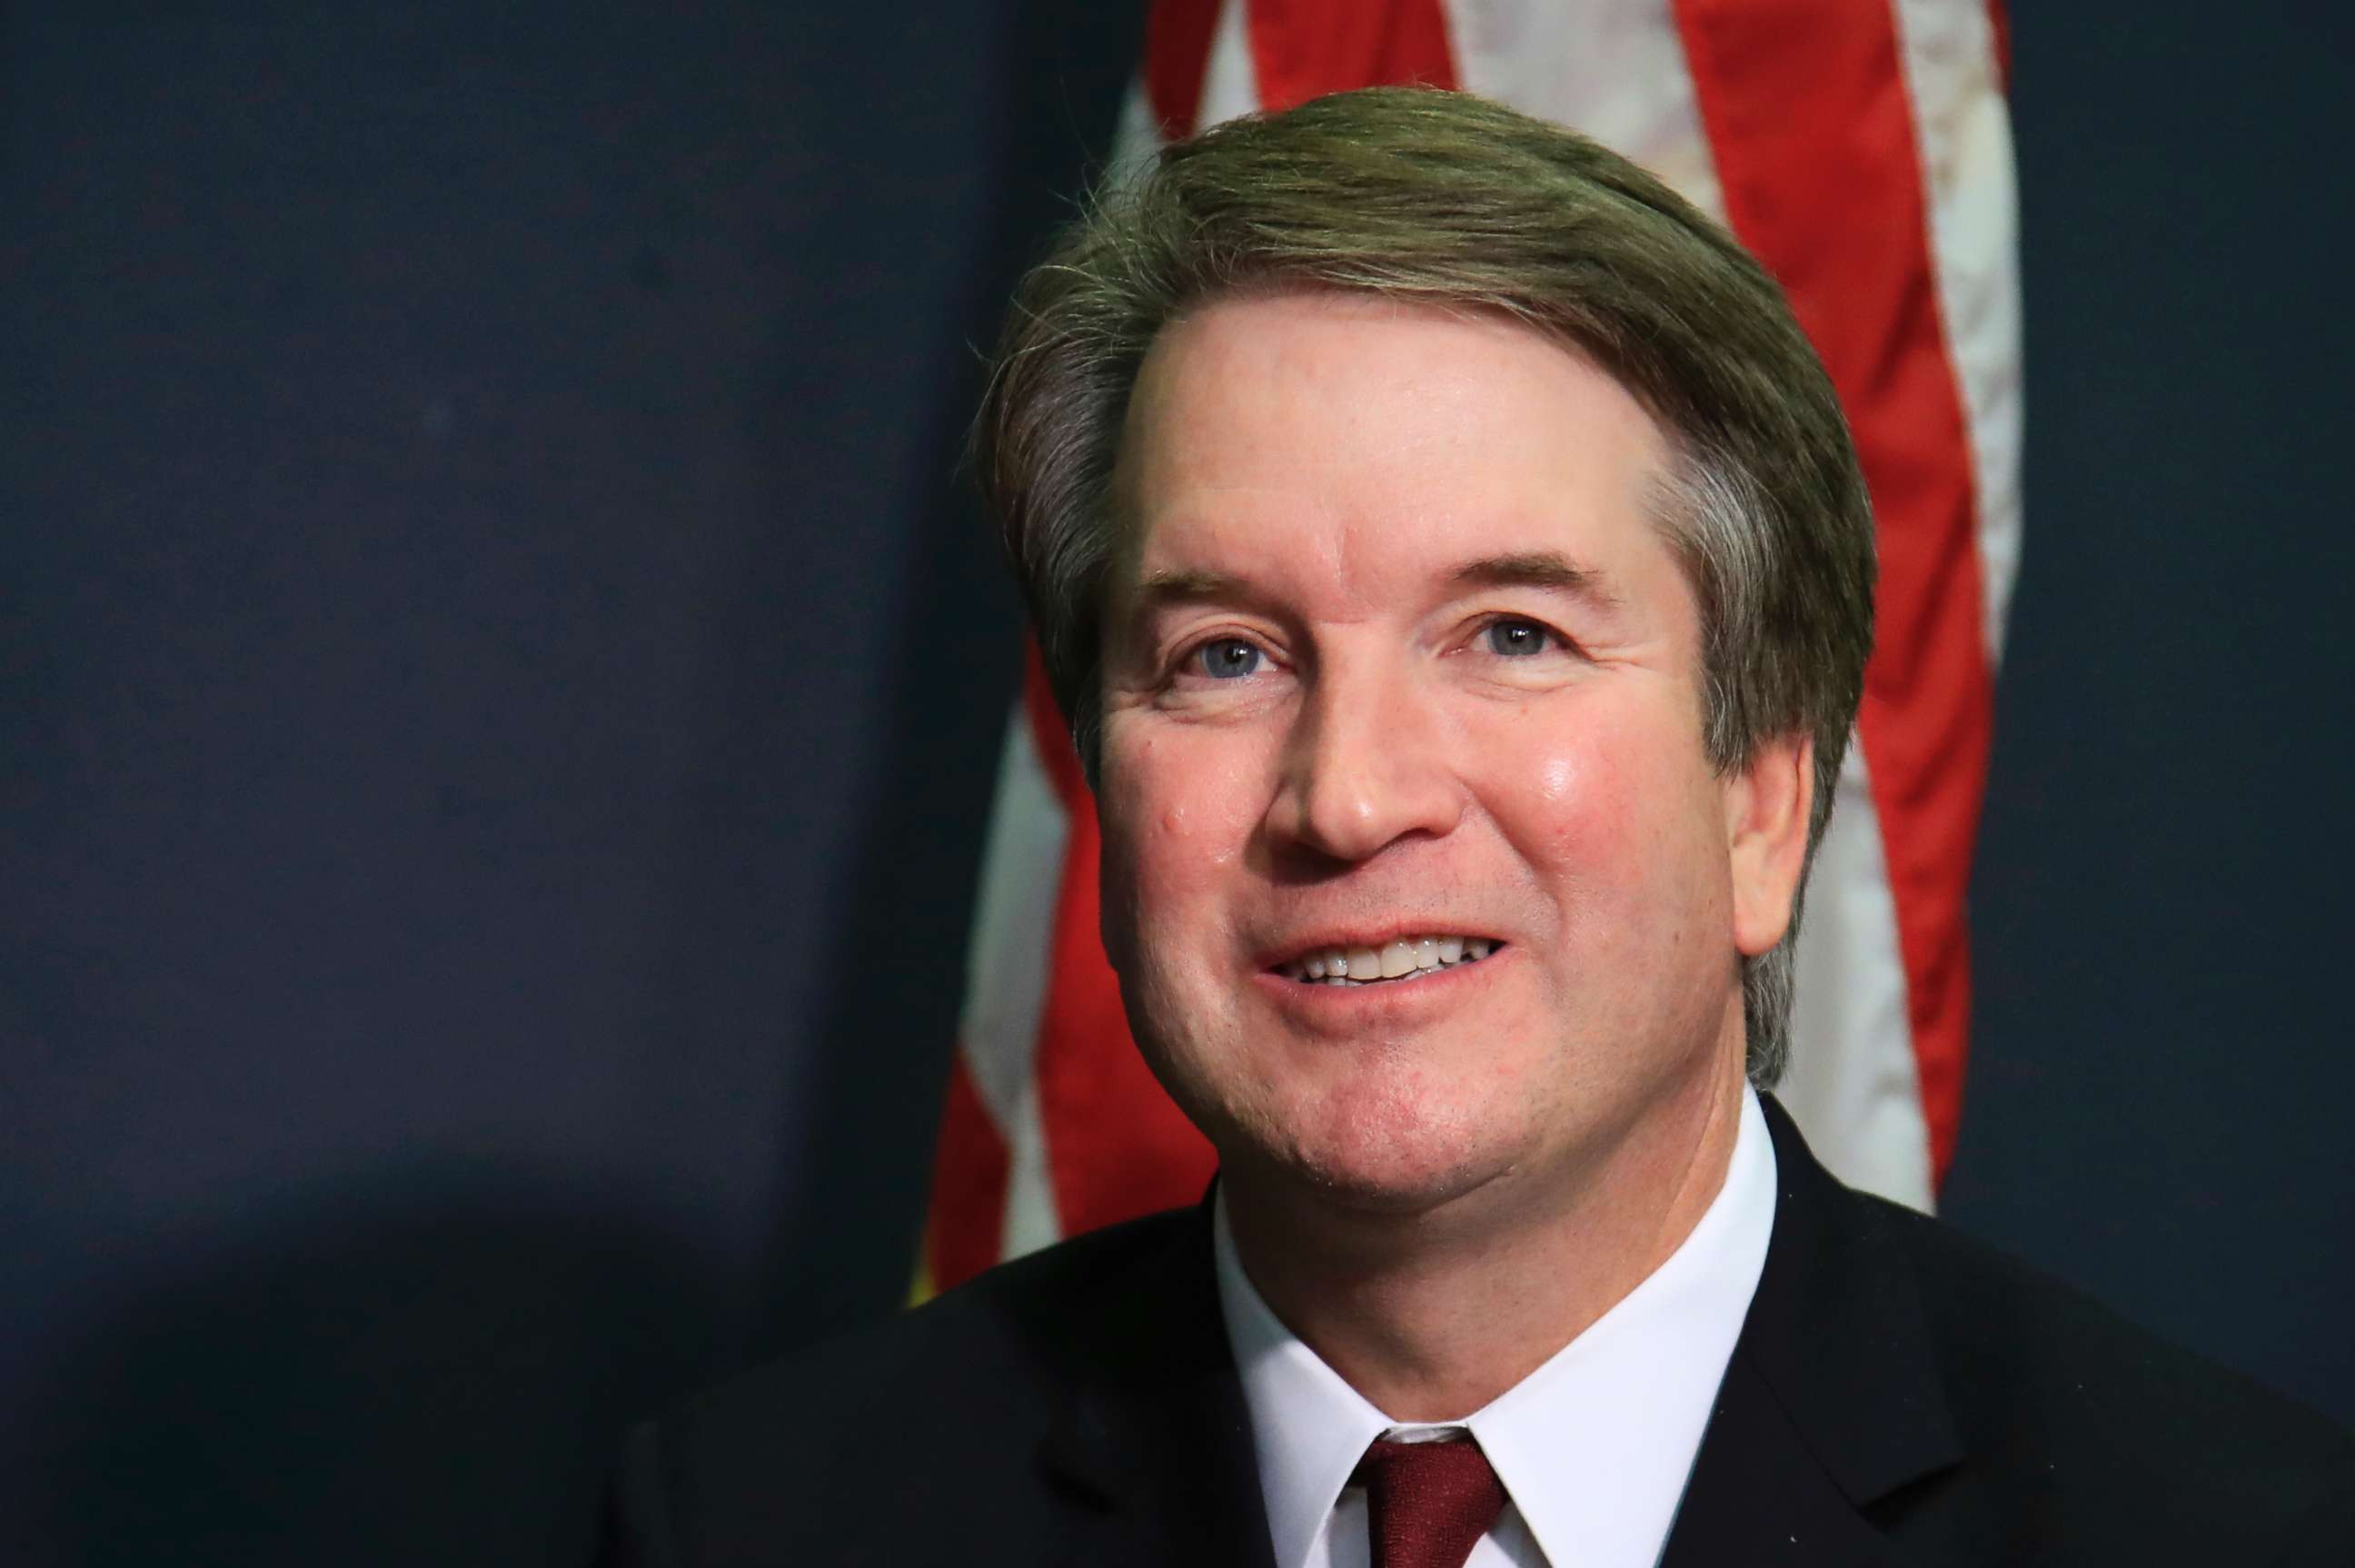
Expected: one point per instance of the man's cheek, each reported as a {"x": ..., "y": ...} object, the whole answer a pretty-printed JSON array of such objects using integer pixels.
[
  {"x": 1151, "y": 862},
  {"x": 1601, "y": 801},
  {"x": 1191, "y": 812},
  {"x": 1118, "y": 882},
  {"x": 1579, "y": 811}
]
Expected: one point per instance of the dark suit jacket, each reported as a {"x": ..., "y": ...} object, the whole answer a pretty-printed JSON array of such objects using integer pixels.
[{"x": 1899, "y": 1394}]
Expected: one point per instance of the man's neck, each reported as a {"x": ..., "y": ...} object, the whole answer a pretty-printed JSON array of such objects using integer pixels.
[{"x": 1433, "y": 1314}]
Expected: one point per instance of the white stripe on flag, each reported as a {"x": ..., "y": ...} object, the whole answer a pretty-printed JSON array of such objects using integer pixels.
[
  {"x": 1006, "y": 977},
  {"x": 1852, "y": 1084},
  {"x": 1612, "y": 72},
  {"x": 1231, "y": 81},
  {"x": 1962, "y": 126}
]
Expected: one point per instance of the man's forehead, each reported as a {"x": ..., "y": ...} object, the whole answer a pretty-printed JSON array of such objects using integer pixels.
[
  {"x": 1349, "y": 438},
  {"x": 1219, "y": 339}
]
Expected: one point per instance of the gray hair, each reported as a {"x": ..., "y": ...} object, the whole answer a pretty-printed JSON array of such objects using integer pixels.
[{"x": 1445, "y": 199}]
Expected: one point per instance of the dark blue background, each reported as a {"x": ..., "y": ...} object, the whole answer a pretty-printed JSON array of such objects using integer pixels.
[{"x": 501, "y": 682}]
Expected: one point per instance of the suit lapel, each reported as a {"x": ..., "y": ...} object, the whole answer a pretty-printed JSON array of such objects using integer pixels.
[
  {"x": 1832, "y": 1401},
  {"x": 1153, "y": 1452},
  {"x": 1758, "y": 1495}
]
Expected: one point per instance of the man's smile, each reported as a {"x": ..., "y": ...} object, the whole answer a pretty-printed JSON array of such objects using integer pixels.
[{"x": 1371, "y": 963}]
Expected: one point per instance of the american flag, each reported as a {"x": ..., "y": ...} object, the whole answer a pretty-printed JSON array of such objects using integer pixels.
[{"x": 1862, "y": 150}]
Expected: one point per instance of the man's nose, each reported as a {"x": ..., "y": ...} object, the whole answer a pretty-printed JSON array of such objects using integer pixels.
[{"x": 1365, "y": 766}]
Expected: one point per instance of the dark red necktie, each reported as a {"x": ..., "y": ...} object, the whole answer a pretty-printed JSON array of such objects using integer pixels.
[{"x": 1427, "y": 1504}]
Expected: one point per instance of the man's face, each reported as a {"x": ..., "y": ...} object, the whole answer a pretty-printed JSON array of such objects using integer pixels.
[{"x": 1394, "y": 656}]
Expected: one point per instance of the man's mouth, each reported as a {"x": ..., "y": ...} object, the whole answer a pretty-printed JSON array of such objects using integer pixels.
[{"x": 1408, "y": 958}]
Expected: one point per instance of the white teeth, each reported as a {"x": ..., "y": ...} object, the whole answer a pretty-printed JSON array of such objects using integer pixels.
[{"x": 1401, "y": 959}]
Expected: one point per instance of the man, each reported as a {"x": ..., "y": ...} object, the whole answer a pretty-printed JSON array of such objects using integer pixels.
[{"x": 1453, "y": 564}]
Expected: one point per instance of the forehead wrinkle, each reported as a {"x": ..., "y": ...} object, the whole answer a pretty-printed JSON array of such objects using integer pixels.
[{"x": 1204, "y": 479}]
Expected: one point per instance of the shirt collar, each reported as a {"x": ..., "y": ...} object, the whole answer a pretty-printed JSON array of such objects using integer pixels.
[{"x": 1594, "y": 1447}]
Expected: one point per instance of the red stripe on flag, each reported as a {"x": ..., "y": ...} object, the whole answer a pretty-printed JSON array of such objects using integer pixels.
[
  {"x": 1178, "y": 35},
  {"x": 1999, "y": 24},
  {"x": 967, "y": 1224},
  {"x": 1806, "y": 105},
  {"x": 1305, "y": 48}
]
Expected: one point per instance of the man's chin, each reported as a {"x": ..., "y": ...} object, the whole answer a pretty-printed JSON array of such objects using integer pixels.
[
  {"x": 1372, "y": 1143},
  {"x": 1399, "y": 1176}
]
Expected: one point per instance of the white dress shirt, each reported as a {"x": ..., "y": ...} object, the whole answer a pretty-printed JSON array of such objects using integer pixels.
[{"x": 1593, "y": 1447}]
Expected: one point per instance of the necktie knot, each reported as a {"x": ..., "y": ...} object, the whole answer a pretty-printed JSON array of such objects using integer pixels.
[{"x": 1427, "y": 1504}]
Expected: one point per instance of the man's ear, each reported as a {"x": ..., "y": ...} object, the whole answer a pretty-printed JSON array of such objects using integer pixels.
[{"x": 1767, "y": 802}]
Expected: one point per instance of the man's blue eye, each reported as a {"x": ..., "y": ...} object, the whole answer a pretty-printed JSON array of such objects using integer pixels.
[
  {"x": 1517, "y": 639},
  {"x": 1227, "y": 658}
]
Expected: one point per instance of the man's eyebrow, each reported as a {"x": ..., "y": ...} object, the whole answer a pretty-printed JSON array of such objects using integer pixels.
[
  {"x": 1184, "y": 587},
  {"x": 1171, "y": 588},
  {"x": 1538, "y": 569},
  {"x": 1542, "y": 569}
]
